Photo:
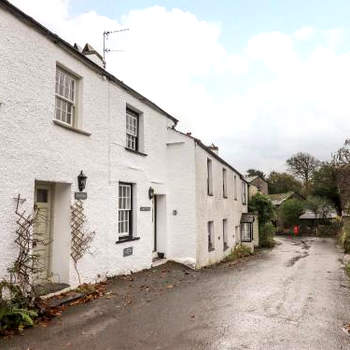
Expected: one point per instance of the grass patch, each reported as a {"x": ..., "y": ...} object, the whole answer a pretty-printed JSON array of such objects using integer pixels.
[
  {"x": 347, "y": 269},
  {"x": 239, "y": 251}
]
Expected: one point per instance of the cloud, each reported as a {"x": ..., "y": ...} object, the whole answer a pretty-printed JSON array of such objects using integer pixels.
[
  {"x": 305, "y": 33},
  {"x": 260, "y": 104}
]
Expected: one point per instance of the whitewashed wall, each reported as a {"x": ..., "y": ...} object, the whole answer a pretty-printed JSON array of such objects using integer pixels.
[
  {"x": 216, "y": 208},
  {"x": 33, "y": 148},
  {"x": 182, "y": 198}
]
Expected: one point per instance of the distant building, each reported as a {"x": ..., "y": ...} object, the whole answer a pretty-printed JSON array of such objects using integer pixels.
[
  {"x": 278, "y": 199},
  {"x": 257, "y": 184}
]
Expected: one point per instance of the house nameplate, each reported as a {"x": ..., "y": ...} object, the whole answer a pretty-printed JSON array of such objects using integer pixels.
[
  {"x": 80, "y": 195},
  {"x": 128, "y": 251},
  {"x": 145, "y": 208}
]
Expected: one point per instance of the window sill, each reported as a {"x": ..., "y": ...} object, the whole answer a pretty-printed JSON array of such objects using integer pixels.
[
  {"x": 68, "y": 127},
  {"x": 210, "y": 195},
  {"x": 211, "y": 250},
  {"x": 136, "y": 152},
  {"x": 128, "y": 239},
  {"x": 225, "y": 197}
]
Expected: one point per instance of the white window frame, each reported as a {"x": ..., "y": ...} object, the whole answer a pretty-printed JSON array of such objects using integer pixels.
[
  {"x": 244, "y": 193},
  {"x": 209, "y": 177},
  {"x": 125, "y": 210},
  {"x": 66, "y": 88},
  {"x": 246, "y": 232},
  {"x": 224, "y": 182},
  {"x": 132, "y": 130},
  {"x": 211, "y": 239}
]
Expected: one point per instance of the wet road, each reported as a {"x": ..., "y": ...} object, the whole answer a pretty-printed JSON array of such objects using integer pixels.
[{"x": 293, "y": 297}]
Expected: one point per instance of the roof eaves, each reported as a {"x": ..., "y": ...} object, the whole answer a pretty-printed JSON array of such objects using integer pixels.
[{"x": 217, "y": 157}]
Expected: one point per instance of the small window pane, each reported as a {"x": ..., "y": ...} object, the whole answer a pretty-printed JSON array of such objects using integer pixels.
[{"x": 41, "y": 195}]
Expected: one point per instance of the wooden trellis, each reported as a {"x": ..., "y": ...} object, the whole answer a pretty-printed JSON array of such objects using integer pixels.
[
  {"x": 81, "y": 238},
  {"x": 26, "y": 264}
]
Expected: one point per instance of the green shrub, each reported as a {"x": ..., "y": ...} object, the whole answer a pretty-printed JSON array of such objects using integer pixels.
[
  {"x": 12, "y": 317},
  {"x": 14, "y": 312},
  {"x": 266, "y": 235},
  {"x": 262, "y": 205},
  {"x": 331, "y": 229},
  {"x": 290, "y": 211},
  {"x": 344, "y": 238},
  {"x": 238, "y": 252},
  {"x": 347, "y": 269}
]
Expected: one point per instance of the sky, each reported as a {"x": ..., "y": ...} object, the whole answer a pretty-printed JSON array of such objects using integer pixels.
[{"x": 261, "y": 79}]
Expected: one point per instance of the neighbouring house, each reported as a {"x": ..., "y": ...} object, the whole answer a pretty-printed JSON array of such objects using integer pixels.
[
  {"x": 311, "y": 222},
  {"x": 278, "y": 199},
  {"x": 151, "y": 190},
  {"x": 212, "y": 199},
  {"x": 257, "y": 184}
]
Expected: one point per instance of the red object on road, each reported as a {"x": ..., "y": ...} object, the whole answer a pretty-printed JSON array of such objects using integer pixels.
[{"x": 296, "y": 230}]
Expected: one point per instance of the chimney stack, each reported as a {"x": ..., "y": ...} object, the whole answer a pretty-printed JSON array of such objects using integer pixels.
[
  {"x": 214, "y": 148},
  {"x": 93, "y": 55}
]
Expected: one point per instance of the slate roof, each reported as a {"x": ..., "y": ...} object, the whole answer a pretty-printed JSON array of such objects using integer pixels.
[
  {"x": 309, "y": 215},
  {"x": 279, "y": 198}
]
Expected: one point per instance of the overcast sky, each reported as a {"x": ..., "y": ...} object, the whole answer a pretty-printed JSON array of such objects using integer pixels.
[{"x": 261, "y": 79}]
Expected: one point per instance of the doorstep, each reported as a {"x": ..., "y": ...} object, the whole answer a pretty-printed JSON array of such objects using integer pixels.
[
  {"x": 157, "y": 262},
  {"x": 50, "y": 288}
]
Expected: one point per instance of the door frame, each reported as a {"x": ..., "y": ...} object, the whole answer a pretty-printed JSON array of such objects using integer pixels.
[{"x": 154, "y": 216}]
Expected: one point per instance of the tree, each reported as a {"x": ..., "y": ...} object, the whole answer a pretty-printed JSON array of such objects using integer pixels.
[
  {"x": 341, "y": 161},
  {"x": 303, "y": 165},
  {"x": 255, "y": 172},
  {"x": 324, "y": 185},
  {"x": 262, "y": 204},
  {"x": 282, "y": 183},
  {"x": 290, "y": 211},
  {"x": 321, "y": 207}
]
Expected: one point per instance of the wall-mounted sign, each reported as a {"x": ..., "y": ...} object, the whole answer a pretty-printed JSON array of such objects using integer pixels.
[
  {"x": 128, "y": 251},
  {"x": 145, "y": 208},
  {"x": 80, "y": 195}
]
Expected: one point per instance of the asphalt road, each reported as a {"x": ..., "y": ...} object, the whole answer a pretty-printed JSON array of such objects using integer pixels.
[{"x": 293, "y": 297}]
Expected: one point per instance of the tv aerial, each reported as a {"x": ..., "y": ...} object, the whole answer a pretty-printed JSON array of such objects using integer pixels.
[{"x": 106, "y": 34}]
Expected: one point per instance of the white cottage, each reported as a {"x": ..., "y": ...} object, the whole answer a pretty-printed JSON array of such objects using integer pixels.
[
  {"x": 209, "y": 197},
  {"x": 61, "y": 113}
]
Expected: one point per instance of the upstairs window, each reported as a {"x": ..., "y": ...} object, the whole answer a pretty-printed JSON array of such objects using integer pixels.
[
  {"x": 244, "y": 193},
  {"x": 210, "y": 177},
  {"x": 224, "y": 183},
  {"x": 132, "y": 130},
  {"x": 66, "y": 90},
  {"x": 235, "y": 187},
  {"x": 125, "y": 210}
]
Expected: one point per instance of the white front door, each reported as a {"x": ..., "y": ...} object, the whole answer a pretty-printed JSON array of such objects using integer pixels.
[{"x": 42, "y": 230}]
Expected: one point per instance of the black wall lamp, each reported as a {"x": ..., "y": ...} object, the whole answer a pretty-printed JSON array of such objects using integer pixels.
[
  {"x": 82, "y": 181},
  {"x": 150, "y": 192}
]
